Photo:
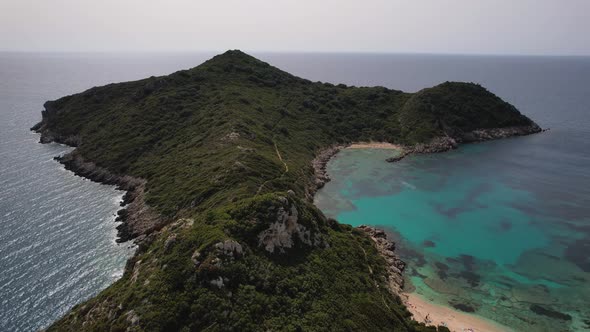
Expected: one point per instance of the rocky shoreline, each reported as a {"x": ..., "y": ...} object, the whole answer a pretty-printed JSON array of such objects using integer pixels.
[
  {"x": 137, "y": 219},
  {"x": 386, "y": 248},
  {"x": 446, "y": 143},
  {"x": 394, "y": 265},
  {"x": 320, "y": 174},
  {"x": 436, "y": 145}
]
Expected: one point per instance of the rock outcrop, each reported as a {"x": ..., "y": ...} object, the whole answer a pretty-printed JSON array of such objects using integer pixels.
[
  {"x": 319, "y": 164},
  {"x": 446, "y": 143},
  {"x": 137, "y": 218},
  {"x": 230, "y": 248},
  {"x": 286, "y": 231},
  {"x": 386, "y": 248}
]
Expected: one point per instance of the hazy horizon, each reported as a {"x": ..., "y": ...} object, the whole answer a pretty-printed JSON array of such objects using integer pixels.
[
  {"x": 294, "y": 52},
  {"x": 453, "y": 27}
]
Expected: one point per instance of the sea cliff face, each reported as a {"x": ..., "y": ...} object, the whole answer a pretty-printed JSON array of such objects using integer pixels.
[
  {"x": 47, "y": 135},
  {"x": 220, "y": 163},
  {"x": 137, "y": 219}
]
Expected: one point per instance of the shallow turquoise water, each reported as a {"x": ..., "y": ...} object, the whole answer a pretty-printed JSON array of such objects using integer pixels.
[{"x": 483, "y": 228}]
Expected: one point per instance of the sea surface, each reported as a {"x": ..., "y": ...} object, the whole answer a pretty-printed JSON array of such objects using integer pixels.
[{"x": 508, "y": 220}]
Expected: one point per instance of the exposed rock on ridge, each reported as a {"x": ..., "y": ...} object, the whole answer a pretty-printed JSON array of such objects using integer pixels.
[{"x": 286, "y": 231}]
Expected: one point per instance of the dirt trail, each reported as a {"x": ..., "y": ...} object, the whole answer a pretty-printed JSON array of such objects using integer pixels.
[
  {"x": 284, "y": 164},
  {"x": 281, "y": 159},
  {"x": 277, "y": 152}
]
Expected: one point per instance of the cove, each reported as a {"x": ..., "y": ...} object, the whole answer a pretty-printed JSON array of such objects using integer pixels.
[{"x": 479, "y": 231}]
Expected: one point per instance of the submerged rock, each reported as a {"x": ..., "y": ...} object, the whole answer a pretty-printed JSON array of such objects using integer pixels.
[
  {"x": 429, "y": 244},
  {"x": 444, "y": 287},
  {"x": 463, "y": 307},
  {"x": 472, "y": 278},
  {"x": 537, "y": 294},
  {"x": 549, "y": 313}
]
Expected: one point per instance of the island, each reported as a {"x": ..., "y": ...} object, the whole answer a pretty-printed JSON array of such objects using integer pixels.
[{"x": 220, "y": 164}]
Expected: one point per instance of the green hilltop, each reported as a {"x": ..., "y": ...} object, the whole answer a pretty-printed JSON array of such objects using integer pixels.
[{"x": 220, "y": 157}]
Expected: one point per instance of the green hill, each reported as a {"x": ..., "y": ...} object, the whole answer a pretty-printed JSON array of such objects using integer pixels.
[{"x": 217, "y": 160}]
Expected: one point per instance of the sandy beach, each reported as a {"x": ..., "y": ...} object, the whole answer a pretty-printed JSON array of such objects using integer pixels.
[
  {"x": 374, "y": 145},
  {"x": 456, "y": 321}
]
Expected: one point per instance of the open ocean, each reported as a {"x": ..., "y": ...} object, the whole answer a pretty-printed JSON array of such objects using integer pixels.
[{"x": 499, "y": 227}]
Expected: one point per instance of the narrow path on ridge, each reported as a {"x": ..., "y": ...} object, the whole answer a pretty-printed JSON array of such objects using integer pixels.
[
  {"x": 284, "y": 164},
  {"x": 281, "y": 158},
  {"x": 373, "y": 277},
  {"x": 278, "y": 154}
]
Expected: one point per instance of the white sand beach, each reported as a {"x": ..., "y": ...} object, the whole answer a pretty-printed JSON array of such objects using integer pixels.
[
  {"x": 434, "y": 314},
  {"x": 374, "y": 145}
]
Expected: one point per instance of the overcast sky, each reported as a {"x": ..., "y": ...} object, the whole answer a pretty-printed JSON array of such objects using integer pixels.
[{"x": 556, "y": 27}]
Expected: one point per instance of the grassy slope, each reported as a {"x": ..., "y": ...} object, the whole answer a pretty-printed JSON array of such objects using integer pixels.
[{"x": 206, "y": 139}]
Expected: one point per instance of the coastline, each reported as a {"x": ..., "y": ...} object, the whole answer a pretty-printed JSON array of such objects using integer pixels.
[
  {"x": 436, "y": 145},
  {"x": 425, "y": 311},
  {"x": 447, "y": 143},
  {"x": 136, "y": 219},
  {"x": 375, "y": 145},
  {"x": 422, "y": 310},
  {"x": 320, "y": 175}
]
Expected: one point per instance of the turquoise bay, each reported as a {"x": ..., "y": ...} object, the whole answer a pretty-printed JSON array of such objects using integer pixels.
[{"x": 487, "y": 227}]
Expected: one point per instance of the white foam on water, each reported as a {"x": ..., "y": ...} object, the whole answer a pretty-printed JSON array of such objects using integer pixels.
[{"x": 409, "y": 185}]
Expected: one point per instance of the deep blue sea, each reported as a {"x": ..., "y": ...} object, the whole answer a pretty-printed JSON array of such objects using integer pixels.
[{"x": 499, "y": 226}]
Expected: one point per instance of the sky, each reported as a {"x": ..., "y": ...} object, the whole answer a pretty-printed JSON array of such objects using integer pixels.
[{"x": 520, "y": 27}]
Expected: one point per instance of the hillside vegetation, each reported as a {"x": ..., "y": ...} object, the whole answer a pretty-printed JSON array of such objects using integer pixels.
[{"x": 225, "y": 149}]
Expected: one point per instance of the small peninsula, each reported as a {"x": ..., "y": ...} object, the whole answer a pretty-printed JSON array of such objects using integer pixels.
[{"x": 220, "y": 163}]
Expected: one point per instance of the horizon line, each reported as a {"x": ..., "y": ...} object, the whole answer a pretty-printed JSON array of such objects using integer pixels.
[{"x": 290, "y": 52}]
